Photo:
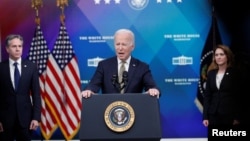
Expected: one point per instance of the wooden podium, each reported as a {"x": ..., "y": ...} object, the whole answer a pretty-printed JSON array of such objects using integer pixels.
[{"x": 143, "y": 118}]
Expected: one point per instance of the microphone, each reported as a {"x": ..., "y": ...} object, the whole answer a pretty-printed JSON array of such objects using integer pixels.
[
  {"x": 114, "y": 79},
  {"x": 125, "y": 78},
  {"x": 115, "y": 82}
]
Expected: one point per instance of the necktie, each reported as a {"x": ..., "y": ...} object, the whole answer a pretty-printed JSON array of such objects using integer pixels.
[
  {"x": 16, "y": 75},
  {"x": 122, "y": 69}
]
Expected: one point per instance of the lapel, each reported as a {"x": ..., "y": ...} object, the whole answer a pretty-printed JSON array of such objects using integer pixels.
[
  {"x": 213, "y": 79},
  {"x": 131, "y": 72},
  {"x": 24, "y": 69},
  {"x": 24, "y": 72},
  {"x": 8, "y": 74},
  {"x": 225, "y": 78}
]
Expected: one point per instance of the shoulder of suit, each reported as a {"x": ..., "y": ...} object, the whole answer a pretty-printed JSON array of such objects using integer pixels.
[
  {"x": 232, "y": 70},
  {"x": 137, "y": 61},
  {"x": 28, "y": 62},
  {"x": 213, "y": 71},
  {"x": 4, "y": 62},
  {"x": 107, "y": 61}
]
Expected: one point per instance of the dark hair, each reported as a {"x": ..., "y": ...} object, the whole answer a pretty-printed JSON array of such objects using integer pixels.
[{"x": 11, "y": 37}]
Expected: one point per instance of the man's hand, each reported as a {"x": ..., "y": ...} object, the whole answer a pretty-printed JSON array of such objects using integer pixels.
[
  {"x": 1, "y": 127},
  {"x": 86, "y": 93},
  {"x": 34, "y": 124},
  {"x": 153, "y": 92}
]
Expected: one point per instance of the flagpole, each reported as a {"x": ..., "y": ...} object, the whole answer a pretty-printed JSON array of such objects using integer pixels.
[
  {"x": 36, "y": 4},
  {"x": 39, "y": 54},
  {"x": 213, "y": 26},
  {"x": 61, "y": 4}
]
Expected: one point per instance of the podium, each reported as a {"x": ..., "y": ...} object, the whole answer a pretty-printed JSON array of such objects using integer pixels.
[{"x": 141, "y": 109}]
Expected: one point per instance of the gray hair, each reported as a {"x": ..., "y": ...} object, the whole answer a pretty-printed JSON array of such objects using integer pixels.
[
  {"x": 123, "y": 30},
  {"x": 11, "y": 37}
]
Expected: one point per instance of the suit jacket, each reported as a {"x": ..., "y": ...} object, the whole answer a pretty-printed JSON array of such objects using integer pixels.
[
  {"x": 223, "y": 101},
  {"x": 25, "y": 103},
  {"x": 139, "y": 77}
]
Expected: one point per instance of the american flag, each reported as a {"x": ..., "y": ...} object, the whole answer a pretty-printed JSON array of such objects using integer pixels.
[
  {"x": 63, "y": 85},
  {"x": 213, "y": 39},
  {"x": 38, "y": 54}
]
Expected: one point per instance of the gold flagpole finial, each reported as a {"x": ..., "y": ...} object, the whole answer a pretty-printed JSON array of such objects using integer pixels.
[
  {"x": 36, "y": 4},
  {"x": 62, "y": 4}
]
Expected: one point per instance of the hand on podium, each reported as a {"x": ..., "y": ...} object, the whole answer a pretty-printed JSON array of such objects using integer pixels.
[
  {"x": 87, "y": 93},
  {"x": 153, "y": 92}
]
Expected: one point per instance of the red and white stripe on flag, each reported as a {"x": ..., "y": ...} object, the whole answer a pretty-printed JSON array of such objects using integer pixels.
[
  {"x": 38, "y": 54},
  {"x": 62, "y": 85}
]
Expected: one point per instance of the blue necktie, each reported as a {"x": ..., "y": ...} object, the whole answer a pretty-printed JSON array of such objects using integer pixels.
[{"x": 16, "y": 75}]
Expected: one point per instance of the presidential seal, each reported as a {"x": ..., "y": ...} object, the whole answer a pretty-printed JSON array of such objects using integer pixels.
[
  {"x": 119, "y": 116},
  {"x": 138, "y": 4}
]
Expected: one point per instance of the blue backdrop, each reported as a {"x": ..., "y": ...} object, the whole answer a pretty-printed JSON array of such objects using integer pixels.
[{"x": 170, "y": 36}]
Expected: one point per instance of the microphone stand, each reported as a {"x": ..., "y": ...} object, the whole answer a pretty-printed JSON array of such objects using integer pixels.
[
  {"x": 115, "y": 82},
  {"x": 124, "y": 79}
]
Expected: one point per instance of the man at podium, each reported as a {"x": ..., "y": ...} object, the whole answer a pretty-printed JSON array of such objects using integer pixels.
[{"x": 122, "y": 73}]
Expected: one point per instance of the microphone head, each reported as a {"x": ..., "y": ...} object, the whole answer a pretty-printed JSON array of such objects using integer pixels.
[
  {"x": 125, "y": 78},
  {"x": 114, "y": 76},
  {"x": 125, "y": 74},
  {"x": 114, "y": 79}
]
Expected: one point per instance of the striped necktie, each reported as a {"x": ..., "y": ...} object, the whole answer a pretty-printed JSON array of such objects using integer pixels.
[{"x": 120, "y": 77}]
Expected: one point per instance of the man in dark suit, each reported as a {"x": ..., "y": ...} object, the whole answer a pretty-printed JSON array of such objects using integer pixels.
[
  {"x": 136, "y": 78},
  {"x": 20, "y": 104}
]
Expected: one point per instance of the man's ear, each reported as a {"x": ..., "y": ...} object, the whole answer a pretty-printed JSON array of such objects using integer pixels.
[
  {"x": 7, "y": 49},
  {"x": 133, "y": 47}
]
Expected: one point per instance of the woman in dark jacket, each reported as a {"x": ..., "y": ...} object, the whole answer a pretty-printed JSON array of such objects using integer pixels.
[{"x": 221, "y": 104}]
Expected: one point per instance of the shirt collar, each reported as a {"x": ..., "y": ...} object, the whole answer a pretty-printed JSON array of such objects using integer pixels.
[
  {"x": 127, "y": 61},
  {"x": 12, "y": 61}
]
